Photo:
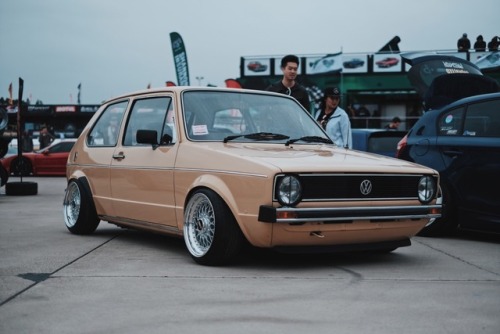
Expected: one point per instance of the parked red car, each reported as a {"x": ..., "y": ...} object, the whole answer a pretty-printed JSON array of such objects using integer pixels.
[
  {"x": 387, "y": 62},
  {"x": 256, "y": 66},
  {"x": 48, "y": 161}
]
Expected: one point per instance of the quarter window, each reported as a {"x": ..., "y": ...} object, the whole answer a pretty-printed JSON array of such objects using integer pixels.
[
  {"x": 106, "y": 130},
  {"x": 450, "y": 123}
]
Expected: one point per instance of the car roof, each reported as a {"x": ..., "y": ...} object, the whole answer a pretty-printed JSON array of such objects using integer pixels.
[
  {"x": 469, "y": 99},
  {"x": 180, "y": 89}
]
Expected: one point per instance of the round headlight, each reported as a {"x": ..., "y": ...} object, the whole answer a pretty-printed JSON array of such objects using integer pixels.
[
  {"x": 289, "y": 190},
  {"x": 426, "y": 189}
]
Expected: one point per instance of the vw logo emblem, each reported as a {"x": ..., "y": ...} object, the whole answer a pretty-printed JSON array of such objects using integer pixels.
[{"x": 365, "y": 187}]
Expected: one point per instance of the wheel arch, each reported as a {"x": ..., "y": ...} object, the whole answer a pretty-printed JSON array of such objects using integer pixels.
[
  {"x": 220, "y": 188},
  {"x": 86, "y": 184}
]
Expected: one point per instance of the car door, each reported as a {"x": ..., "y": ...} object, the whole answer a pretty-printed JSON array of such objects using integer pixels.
[
  {"x": 472, "y": 160},
  {"x": 99, "y": 154},
  {"x": 53, "y": 159},
  {"x": 141, "y": 176}
]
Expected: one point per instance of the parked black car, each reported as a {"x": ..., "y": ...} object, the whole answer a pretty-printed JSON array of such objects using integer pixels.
[
  {"x": 458, "y": 136},
  {"x": 354, "y": 63}
]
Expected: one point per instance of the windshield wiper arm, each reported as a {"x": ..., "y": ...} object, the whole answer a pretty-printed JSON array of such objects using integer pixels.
[
  {"x": 259, "y": 136},
  {"x": 310, "y": 139}
]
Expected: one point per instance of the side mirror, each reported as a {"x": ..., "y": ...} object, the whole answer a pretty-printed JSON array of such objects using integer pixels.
[{"x": 147, "y": 137}]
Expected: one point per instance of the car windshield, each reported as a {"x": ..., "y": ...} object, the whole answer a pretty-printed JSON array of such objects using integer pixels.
[{"x": 248, "y": 117}]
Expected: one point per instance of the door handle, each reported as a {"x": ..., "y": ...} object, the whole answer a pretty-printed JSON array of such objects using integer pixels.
[
  {"x": 119, "y": 156},
  {"x": 453, "y": 152}
]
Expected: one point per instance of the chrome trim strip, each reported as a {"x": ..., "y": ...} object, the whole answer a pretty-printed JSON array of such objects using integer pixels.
[
  {"x": 125, "y": 222},
  {"x": 270, "y": 214},
  {"x": 199, "y": 170}
]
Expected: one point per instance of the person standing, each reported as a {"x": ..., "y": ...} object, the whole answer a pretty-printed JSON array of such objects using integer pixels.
[
  {"x": 394, "y": 124},
  {"x": 463, "y": 43},
  {"x": 480, "y": 44},
  {"x": 288, "y": 84},
  {"x": 493, "y": 44},
  {"x": 46, "y": 138},
  {"x": 334, "y": 119},
  {"x": 27, "y": 141}
]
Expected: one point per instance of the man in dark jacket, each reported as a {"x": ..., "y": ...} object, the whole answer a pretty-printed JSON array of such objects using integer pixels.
[
  {"x": 463, "y": 43},
  {"x": 288, "y": 85}
]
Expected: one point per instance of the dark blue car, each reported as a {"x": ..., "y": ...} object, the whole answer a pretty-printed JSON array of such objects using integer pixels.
[
  {"x": 379, "y": 141},
  {"x": 459, "y": 136}
]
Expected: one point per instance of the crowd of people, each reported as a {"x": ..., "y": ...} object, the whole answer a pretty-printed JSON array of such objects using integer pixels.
[
  {"x": 334, "y": 120},
  {"x": 464, "y": 44}
]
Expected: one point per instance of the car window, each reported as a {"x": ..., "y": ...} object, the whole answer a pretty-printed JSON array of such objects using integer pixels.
[
  {"x": 483, "y": 119},
  {"x": 106, "y": 130},
  {"x": 450, "y": 123},
  {"x": 61, "y": 147},
  {"x": 383, "y": 144},
  {"x": 215, "y": 115},
  {"x": 154, "y": 113}
]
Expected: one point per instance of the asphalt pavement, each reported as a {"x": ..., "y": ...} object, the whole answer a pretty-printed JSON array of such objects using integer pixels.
[{"x": 125, "y": 281}]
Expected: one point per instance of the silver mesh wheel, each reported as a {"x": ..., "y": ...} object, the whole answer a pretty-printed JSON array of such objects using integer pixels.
[
  {"x": 199, "y": 225},
  {"x": 71, "y": 204}
]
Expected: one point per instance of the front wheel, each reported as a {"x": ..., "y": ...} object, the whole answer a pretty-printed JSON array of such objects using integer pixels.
[
  {"x": 211, "y": 233},
  {"x": 80, "y": 215}
]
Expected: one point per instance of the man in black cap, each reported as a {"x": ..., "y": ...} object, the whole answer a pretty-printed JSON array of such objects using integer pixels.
[
  {"x": 394, "y": 124},
  {"x": 288, "y": 85}
]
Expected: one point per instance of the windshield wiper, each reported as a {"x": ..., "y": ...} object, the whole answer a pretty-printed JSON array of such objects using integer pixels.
[
  {"x": 259, "y": 136},
  {"x": 310, "y": 139}
]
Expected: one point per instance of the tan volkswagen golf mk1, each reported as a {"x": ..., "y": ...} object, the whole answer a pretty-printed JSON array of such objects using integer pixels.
[{"x": 218, "y": 166}]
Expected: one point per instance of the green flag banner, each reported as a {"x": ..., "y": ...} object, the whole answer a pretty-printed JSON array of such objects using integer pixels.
[{"x": 180, "y": 59}]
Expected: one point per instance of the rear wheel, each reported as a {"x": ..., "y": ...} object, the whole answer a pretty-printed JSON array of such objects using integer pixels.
[
  {"x": 80, "y": 215},
  {"x": 211, "y": 233},
  {"x": 21, "y": 166}
]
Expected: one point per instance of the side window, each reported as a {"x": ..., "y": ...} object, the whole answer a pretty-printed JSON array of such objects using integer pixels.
[
  {"x": 151, "y": 114},
  {"x": 483, "y": 119},
  {"x": 106, "y": 130},
  {"x": 450, "y": 123}
]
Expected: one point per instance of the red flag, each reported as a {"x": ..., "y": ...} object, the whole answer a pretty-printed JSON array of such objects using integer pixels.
[
  {"x": 10, "y": 94},
  {"x": 170, "y": 84}
]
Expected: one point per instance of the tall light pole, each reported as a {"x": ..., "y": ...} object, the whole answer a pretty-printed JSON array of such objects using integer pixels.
[{"x": 199, "y": 80}]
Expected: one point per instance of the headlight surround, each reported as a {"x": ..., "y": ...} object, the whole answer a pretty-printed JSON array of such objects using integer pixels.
[
  {"x": 289, "y": 190},
  {"x": 426, "y": 189}
]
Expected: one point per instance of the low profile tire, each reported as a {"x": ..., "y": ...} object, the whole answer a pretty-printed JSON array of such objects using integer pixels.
[
  {"x": 80, "y": 215},
  {"x": 211, "y": 233},
  {"x": 21, "y": 188},
  {"x": 21, "y": 167},
  {"x": 447, "y": 223}
]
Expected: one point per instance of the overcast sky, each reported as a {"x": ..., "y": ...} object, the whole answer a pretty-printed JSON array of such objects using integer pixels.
[{"x": 114, "y": 47}]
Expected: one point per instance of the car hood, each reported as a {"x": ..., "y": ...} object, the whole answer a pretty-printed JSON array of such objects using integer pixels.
[
  {"x": 251, "y": 157},
  {"x": 442, "y": 79}
]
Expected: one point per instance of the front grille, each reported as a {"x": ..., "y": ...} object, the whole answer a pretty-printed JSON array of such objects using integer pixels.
[{"x": 328, "y": 187}]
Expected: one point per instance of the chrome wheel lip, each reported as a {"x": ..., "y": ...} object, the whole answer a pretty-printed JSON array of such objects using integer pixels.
[
  {"x": 199, "y": 225},
  {"x": 72, "y": 204}
]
